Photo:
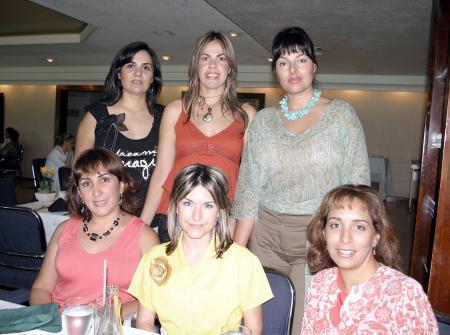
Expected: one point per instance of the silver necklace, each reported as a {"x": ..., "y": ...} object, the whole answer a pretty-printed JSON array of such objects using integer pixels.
[{"x": 208, "y": 117}]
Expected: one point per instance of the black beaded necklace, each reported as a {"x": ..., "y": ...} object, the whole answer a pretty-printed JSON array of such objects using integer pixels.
[{"x": 93, "y": 236}]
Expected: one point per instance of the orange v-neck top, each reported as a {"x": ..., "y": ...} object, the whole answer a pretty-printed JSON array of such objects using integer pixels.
[{"x": 222, "y": 150}]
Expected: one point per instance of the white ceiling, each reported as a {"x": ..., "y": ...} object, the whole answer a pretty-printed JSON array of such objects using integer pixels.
[{"x": 369, "y": 37}]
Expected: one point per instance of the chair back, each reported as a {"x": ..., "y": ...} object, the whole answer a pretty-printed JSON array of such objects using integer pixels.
[
  {"x": 278, "y": 313},
  {"x": 64, "y": 177},
  {"x": 36, "y": 165},
  {"x": 22, "y": 246},
  {"x": 7, "y": 193}
]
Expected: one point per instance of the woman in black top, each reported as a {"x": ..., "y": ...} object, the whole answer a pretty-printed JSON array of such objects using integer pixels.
[{"x": 127, "y": 119}]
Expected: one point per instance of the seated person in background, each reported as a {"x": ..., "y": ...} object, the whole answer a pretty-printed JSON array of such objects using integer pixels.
[
  {"x": 61, "y": 155},
  {"x": 358, "y": 289},
  {"x": 200, "y": 281},
  {"x": 100, "y": 200},
  {"x": 10, "y": 150}
]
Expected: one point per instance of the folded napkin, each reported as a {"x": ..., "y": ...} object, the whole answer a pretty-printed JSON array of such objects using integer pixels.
[
  {"x": 44, "y": 317},
  {"x": 59, "y": 205}
]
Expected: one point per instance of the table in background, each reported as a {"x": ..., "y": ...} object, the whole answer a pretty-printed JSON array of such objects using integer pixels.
[
  {"x": 51, "y": 220},
  {"x": 380, "y": 172}
]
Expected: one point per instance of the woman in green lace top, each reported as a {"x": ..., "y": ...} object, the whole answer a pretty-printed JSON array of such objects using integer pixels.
[{"x": 294, "y": 155}]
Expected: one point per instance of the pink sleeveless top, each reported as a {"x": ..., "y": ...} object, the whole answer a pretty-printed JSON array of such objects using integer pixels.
[
  {"x": 222, "y": 150},
  {"x": 80, "y": 274}
]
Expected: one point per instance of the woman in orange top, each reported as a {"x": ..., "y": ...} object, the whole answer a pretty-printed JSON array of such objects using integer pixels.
[{"x": 207, "y": 126}]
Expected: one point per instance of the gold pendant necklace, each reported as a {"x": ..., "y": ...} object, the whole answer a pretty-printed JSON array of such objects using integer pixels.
[{"x": 208, "y": 117}]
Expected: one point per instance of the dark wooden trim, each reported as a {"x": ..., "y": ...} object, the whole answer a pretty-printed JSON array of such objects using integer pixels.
[
  {"x": 428, "y": 190},
  {"x": 62, "y": 94},
  {"x": 430, "y": 261},
  {"x": 2, "y": 117}
]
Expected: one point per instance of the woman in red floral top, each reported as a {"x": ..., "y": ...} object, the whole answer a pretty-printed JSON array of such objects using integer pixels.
[{"x": 357, "y": 288}]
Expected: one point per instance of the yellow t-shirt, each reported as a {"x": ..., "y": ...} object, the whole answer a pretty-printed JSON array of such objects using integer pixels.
[{"x": 202, "y": 298}]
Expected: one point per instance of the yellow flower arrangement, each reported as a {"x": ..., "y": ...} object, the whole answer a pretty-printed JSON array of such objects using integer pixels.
[
  {"x": 160, "y": 270},
  {"x": 47, "y": 174}
]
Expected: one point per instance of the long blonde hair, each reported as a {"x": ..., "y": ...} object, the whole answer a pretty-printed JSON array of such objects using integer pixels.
[{"x": 230, "y": 101}]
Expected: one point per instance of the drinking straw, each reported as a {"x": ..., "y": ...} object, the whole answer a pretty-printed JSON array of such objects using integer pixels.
[{"x": 104, "y": 281}]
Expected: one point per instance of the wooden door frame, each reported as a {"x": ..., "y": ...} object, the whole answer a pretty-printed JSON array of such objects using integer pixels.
[
  {"x": 62, "y": 94},
  {"x": 430, "y": 257}
]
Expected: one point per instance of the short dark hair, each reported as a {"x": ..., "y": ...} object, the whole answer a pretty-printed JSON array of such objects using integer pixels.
[
  {"x": 387, "y": 246},
  {"x": 289, "y": 40},
  {"x": 113, "y": 86},
  {"x": 12, "y": 134},
  {"x": 89, "y": 162},
  {"x": 66, "y": 137}
]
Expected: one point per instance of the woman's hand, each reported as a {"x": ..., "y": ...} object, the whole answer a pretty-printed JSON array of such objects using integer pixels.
[{"x": 243, "y": 230}]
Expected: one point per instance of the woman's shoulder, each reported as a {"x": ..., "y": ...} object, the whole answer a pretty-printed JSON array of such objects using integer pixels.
[
  {"x": 97, "y": 109},
  {"x": 325, "y": 276},
  {"x": 390, "y": 278},
  {"x": 263, "y": 117},
  {"x": 173, "y": 110}
]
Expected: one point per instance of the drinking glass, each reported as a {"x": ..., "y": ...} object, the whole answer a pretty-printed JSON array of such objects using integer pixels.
[
  {"x": 77, "y": 316},
  {"x": 235, "y": 330}
]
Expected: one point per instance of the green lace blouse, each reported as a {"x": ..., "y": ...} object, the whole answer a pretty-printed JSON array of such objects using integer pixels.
[{"x": 290, "y": 173}]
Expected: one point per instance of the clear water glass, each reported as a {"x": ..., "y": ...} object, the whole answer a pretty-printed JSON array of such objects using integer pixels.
[
  {"x": 235, "y": 330},
  {"x": 77, "y": 317}
]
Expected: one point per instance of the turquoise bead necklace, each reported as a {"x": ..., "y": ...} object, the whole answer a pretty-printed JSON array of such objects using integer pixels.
[{"x": 302, "y": 111}]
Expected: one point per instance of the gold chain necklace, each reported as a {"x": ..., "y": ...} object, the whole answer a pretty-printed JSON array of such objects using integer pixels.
[{"x": 93, "y": 236}]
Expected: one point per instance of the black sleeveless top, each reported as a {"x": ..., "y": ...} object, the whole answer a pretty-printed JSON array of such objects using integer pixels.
[{"x": 138, "y": 156}]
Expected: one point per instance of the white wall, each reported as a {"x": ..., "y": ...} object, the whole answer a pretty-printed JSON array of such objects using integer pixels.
[
  {"x": 392, "y": 121},
  {"x": 31, "y": 110}
]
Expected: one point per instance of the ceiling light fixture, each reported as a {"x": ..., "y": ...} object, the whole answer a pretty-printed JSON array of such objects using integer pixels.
[
  {"x": 270, "y": 59},
  {"x": 234, "y": 33},
  {"x": 166, "y": 57},
  {"x": 50, "y": 60}
]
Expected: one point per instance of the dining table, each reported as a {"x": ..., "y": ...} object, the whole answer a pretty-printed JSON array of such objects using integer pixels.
[
  {"x": 127, "y": 330},
  {"x": 51, "y": 220}
]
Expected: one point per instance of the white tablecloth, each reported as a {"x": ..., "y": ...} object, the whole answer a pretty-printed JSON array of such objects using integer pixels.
[{"x": 51, "y": 220}]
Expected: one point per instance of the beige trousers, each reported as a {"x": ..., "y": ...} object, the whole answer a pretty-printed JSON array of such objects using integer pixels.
[{"x": 279, "y": 241}]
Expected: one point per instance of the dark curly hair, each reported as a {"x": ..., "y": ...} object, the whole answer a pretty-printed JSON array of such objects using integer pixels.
[
  {"x": 89, "y": 162},
  {"x": 387, "y": 247}
]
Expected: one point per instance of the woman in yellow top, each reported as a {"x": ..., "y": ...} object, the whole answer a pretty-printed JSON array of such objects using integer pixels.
[{"x": 200, "y": 281}]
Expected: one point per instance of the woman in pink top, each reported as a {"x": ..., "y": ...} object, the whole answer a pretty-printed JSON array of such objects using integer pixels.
[
  {"x": 207, "y": 126},
  {"x": 357, "y": 288},
  {"x": 101, "y": 228}
]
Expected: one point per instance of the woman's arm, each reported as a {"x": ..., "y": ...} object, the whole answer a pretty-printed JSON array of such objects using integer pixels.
[
  {"x": 148, "y": 239},
  {"x": 86, "y": 134},
  {"x": 165, "y": 159},
  {"x": 243, "y": 230},
  {"x": 253, "y": 319},
  {"x": 251, "y": 112},
  {"x": 43, "y": 286},
  {"x": 145, "y": 319}
]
